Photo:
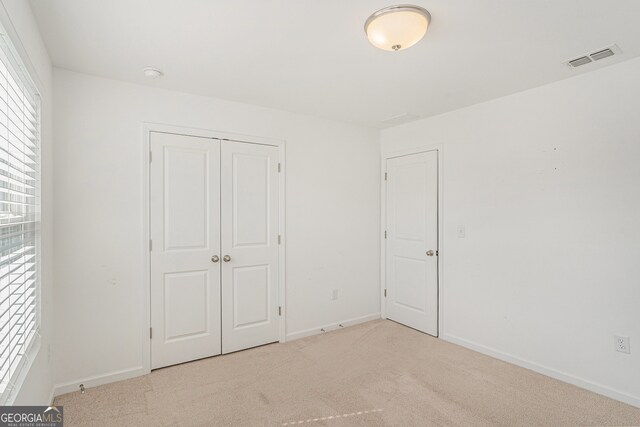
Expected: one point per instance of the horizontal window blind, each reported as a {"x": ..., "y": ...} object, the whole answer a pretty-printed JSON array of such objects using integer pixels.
[{"x": 19, "y": 214}]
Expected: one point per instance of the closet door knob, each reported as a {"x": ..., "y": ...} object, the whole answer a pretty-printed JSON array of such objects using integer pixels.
[
  {"x": 226, "y": 258},
  {"x": 215, "y": 258},
  {"x": 429, "y": 253}
]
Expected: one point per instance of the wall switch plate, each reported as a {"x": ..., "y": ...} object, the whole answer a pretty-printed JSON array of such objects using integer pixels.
[
  {"x": 460, "y": 231},
  {"x": 334, "y": 294},
  {"x": 622, "y": 344}
]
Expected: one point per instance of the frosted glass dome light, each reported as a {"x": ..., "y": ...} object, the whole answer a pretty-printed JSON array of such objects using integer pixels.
[{"x": 397, "y": 27}]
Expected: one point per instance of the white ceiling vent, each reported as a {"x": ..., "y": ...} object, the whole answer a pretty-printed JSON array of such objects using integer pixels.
[
  {"x": 601, "y": 54},
  {"x": 583, "y": 60},
  {"x": 594, "y": 56},
  {"x": 402, "y": 118}
]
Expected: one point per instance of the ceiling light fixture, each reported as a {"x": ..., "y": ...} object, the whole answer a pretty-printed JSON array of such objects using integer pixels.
[
  {"x": 152, "y": 73},
  {"x": 397, "y": 27}
]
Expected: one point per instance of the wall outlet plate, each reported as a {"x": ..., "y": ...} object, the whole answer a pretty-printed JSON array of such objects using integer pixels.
[{"x": 622, "y": 344}]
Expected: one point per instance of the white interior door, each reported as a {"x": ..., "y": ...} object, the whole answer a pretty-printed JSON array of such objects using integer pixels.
[
  {"x": 249, "y": 227},
  {"x": 185, "y": 233},
  {"x": 412, "y": 241}
]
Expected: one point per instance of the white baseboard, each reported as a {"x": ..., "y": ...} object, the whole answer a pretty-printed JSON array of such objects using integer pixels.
[
  {"x": 331, "y": 326},
  {"x": 126, "y": 374},
  {"x": 568, "y": 378},
  {"x": 97, "y": 380}
]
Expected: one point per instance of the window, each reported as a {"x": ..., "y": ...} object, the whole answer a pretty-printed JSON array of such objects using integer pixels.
[{"x": 19, "y": 215}]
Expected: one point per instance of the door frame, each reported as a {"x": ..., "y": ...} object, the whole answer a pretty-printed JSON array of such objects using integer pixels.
[
  {"x": 147, "y": 128},
  {"x": 389, "y": 154}
]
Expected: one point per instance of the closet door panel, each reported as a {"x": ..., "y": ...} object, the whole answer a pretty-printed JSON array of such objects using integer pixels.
[
  {"x": 185, "y": 235},
  {"x": 249, "y": 229}
]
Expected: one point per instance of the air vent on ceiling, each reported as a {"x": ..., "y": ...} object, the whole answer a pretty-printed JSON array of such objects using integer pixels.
[
  {"x": 594, "y": 56},
  {"x": 605, "y": 53},
  {"x": 402, "y": 118},
  {"x": 583, "y": 60}
]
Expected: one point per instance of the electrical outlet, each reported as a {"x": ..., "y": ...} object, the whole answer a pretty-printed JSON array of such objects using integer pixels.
[
  {"x": 461, "y": 232},
  {"x": 334, "y": 294},
  {"x": 622, "y": 344}
]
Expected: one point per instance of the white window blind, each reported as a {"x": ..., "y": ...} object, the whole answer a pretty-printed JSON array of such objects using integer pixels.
[{"x": 19, "y": 214}]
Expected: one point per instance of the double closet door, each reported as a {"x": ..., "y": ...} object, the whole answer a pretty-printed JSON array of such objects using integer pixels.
[{"x": 214, "y": 247}]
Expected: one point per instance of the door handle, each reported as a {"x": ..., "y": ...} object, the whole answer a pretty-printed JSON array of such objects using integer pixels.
[
  {"x": 430, "y": 253},
  {"x": 226, "y": 258},
  {"x": 215, "y": 258}
]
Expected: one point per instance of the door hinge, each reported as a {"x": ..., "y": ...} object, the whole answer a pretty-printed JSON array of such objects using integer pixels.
[
  {"x": 385, "y": 293},
  {"x": 150, "y": 156},
  {"x": 279, "y": 239},
  {"x": 385, "y": 176},
  {"x": 150, "y": 245},
  {"x": 279, "y": 167},
  {"x": 150, "y": 333},
  {"x": 279, "y": 311},
  {"x": 385, "y": 234}
]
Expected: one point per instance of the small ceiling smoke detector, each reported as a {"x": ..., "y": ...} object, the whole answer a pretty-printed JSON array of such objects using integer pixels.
[
  {"x": 152, "y": 73},
  {"x": 397, "y": 27}
]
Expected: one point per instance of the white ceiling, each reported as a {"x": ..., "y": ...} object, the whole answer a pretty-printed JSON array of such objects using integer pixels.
[{"x": 312, "y": 56}]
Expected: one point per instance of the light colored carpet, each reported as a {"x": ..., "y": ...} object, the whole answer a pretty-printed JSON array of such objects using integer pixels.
[{"x": 375, "y": 374}]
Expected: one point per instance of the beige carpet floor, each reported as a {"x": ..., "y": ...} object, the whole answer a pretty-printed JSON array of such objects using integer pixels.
[{"x": 374, "y": 374}]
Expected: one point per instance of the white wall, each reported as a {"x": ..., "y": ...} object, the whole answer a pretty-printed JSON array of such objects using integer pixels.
[
  {"x": 332, "y": 217},
  {"x": 17, "y": 19},
  {"x": 547, "y": 183}
]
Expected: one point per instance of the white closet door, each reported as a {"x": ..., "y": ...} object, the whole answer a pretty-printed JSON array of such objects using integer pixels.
[
  {"x": 185, "y": 233},
  {"x": 249, "y": 198},
  {"x": 412, "y": 241}
]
